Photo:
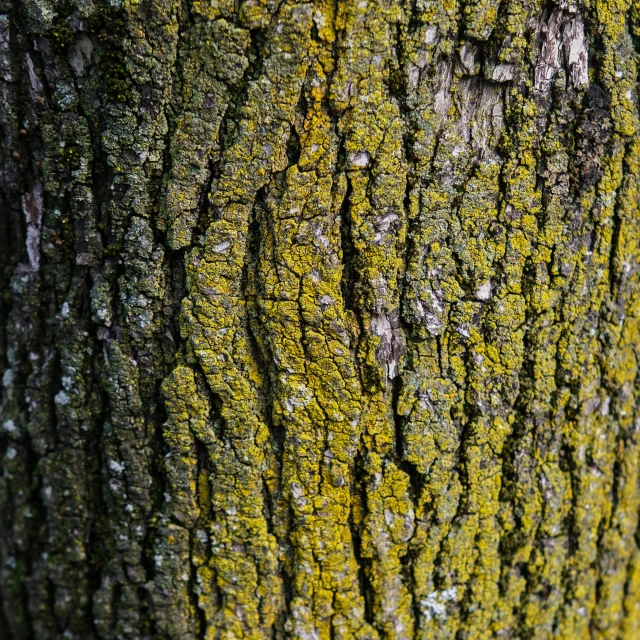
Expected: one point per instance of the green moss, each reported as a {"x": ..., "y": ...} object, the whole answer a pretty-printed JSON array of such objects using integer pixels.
[{"x": 109, "y": 25}]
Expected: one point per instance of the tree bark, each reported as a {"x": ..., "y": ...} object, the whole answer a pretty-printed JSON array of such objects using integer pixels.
[{"x": 320, "y": 320}]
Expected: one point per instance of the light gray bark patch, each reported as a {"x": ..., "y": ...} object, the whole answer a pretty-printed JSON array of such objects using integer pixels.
[
  {"x": 548, "y": 63},
  {"x": 32, "y": 209},
  {"x": 576, "y": 51},
  {"x": 382, "y": 225},
  {"x": 81, "y": 54},
  {"x": 34, "y": 82},
  {"x": 467, "y": 54},
  {"x": 442, "y": 100},
  {"x": 503, "y": 72},
  {"x": 391, "y": 347},
  {"x": 481, "y": 118},
  {"x": 564, "y": 45},
  {"x": 5, "y": 64}
]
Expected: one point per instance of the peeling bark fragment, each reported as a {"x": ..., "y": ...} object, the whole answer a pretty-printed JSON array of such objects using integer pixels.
[
  {"x": 564, "y": 47},
  {"x": 32, "y": 209}
]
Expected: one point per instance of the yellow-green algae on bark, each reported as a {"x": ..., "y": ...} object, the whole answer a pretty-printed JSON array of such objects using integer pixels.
[{"x": 319, "y": 319}]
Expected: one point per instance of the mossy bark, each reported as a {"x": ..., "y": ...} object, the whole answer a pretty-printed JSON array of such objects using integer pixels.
[{"x": 319, "y": 320}]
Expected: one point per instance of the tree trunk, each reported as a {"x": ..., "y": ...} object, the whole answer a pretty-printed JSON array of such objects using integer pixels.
[{"x": 320, "y": 320}]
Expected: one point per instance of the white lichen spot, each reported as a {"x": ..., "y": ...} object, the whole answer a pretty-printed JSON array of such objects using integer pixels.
[
  {"x": 360, "y": 159},
  {"x": 435, "y": 604},
  {"x": 430, "y": 35},
  {"x": 483, "y": 292},
  {"x": 318, "y": 232},
  {"x": 64, "y": 311},
  {"x": 463, "y": 330},
  {"x": 202, "y": 536},
  {"x": 320, "y": 19},
  {"x": 7, "y": 378},
  {"x": 11, "y": 453},
  {"x": 9, "y": 426},
  {"x": 61, "y": 398},
  {"x": 116, "y": 466},
  {"x": 382, "y": 225},
  {"x": 222, "y": 247}
]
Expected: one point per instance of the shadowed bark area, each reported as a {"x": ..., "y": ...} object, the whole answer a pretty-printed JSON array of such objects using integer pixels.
[{"x": 319, "y": 320}]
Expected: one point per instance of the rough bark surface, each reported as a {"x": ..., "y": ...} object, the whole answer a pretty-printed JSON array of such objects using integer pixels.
[{"x": 319, "y": 319}]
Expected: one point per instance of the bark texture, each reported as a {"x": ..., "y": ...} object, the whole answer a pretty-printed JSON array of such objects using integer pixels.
[{"x": 319, "y": 319}]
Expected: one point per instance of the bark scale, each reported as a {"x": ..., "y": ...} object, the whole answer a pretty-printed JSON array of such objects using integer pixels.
[{"x": 319, "y": 320}]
